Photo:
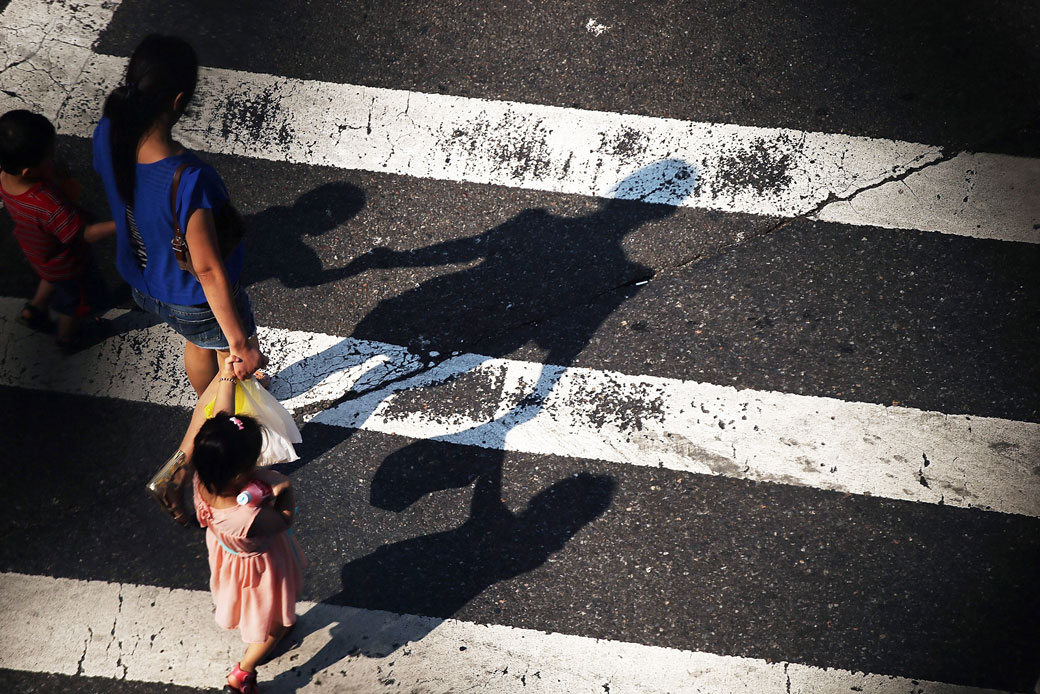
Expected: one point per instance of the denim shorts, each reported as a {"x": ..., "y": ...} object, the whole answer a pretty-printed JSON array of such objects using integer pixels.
[{"x": 197, "y": 324}]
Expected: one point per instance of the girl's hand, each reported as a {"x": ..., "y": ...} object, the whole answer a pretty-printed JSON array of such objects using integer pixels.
[{"x": 228, "y": 371}]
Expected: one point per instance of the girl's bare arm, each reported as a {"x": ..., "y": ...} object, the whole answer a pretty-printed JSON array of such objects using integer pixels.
[
  {"x": 217, "y": 389},
  {"x": 284, "y": 496},
  {"x": 225, "y": 380}
]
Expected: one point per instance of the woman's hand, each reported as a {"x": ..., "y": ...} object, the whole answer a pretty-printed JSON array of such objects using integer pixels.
[{"x": 249, "y": 358}]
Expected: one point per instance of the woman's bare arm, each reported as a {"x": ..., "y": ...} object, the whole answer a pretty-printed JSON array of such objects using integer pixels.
[{"x": 201, "y": 236}]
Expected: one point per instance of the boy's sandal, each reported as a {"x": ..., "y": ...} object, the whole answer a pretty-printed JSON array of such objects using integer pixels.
[
  {"x": 74, "y": 344},
  {"x": 244, "y": 682},
  {"x": 35, "y": 318}
]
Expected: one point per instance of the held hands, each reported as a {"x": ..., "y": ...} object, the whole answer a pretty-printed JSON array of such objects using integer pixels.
[
  {"x": 379, "y": 256},
  {"x": 228, "y": 369},
  {"x": 248, "y": 359}
]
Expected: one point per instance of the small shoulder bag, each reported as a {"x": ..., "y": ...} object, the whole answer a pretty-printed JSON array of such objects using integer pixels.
[{"x": 228, "y": 223}]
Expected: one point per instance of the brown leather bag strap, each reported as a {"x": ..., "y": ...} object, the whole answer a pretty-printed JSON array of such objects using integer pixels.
[{"x": 180, "y": 244}]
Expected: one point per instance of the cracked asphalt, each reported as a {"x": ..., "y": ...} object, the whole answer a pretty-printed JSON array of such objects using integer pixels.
[{"x": 863, "y": 314}]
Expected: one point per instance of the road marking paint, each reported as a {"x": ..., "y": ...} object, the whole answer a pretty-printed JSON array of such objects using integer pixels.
[
  {"x": 151, "y": 634},
  {"x": 733, "y": 168},
  {"x": 502, "y": 404},
  {"x": 963, "y": 192}
]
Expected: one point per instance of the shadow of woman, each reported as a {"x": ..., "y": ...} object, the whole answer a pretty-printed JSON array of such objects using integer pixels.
[
  {"x": 275, "y": 241},
  {"x": 533, "y": 267},
  {"x": 522, "y": 274}
]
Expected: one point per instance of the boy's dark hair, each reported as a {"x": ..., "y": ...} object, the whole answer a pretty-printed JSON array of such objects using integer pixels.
[
  {"x": 161, "y": 68},
  {"x": 222, "y": 450},
  {"x": 25, "y": 138}
]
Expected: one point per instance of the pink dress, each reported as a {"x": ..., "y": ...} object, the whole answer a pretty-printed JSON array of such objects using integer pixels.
[{"x": 254, "y": 580}]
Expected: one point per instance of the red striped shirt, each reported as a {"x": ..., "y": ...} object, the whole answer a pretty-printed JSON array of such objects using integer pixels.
[{"x": 49, "y": 229}]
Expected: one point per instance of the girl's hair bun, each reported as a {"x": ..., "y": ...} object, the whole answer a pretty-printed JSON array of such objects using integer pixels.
[{"x": 226, "y": 446}]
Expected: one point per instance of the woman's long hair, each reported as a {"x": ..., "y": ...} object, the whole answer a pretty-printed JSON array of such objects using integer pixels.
[{"x": 161, "y": 68}]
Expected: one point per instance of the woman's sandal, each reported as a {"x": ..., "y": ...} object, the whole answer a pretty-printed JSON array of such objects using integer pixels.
[
  {"x": 35, "y": 318},
  {"x": 244, "y": 682}
]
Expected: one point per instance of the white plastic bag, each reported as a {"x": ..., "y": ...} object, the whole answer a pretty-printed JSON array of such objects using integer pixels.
[{"x": 279, "y": 429}]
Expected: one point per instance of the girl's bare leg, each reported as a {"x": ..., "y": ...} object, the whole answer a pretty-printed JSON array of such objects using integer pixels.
[{"x": 256, "y": 652}]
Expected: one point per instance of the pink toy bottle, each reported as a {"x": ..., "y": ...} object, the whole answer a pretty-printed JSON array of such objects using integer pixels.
[{"x": 254, "y": 493}]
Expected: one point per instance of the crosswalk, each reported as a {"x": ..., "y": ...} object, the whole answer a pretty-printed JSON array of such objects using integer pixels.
[
  {"x": 598, "y": 524},
  {"x": 505, "y": 659},
  {"x": 704, "y": 429}
]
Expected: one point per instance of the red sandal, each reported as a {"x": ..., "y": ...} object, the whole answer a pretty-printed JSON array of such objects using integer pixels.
[{"x": 245, "y": 682}]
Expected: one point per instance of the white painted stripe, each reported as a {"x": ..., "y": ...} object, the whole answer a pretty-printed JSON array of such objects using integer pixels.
[
  {"x": 44, "y": 47},
  {"x": 734, "y": 168},
  {"x": 700, "y": 428},
  {"x": 149, "y": 634},
  {"x": 969, "y": 193}
]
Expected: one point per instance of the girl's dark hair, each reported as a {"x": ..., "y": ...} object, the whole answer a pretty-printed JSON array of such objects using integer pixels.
[
  {"x": 222, "y": 450},
  {"x": 161, "y": 68}
]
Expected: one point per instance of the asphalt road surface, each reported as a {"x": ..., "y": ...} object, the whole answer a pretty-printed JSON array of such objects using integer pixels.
[{"x": 636, "y": 347}]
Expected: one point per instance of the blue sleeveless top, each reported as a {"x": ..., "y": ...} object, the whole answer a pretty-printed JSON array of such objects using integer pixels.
[{"x": 200, "y": 187}]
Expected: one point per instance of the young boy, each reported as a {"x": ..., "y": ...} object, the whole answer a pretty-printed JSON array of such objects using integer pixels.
[{"x": 52, "y": 232}]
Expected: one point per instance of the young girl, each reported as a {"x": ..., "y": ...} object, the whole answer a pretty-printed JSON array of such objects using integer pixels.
[{"x": 256, "y": 567}]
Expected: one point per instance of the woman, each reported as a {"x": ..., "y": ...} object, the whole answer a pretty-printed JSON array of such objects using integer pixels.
[{"x": 137, "y": 157}]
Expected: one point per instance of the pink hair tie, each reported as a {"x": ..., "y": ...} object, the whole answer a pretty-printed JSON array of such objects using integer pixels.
[{"x": 237, "y": 422}]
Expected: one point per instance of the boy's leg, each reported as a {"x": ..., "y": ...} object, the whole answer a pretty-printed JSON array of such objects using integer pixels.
[
  {"x": 42, "y": 298},
  {"x": 35, "y": 314},
  {"x": 68, "y": 327},
  {"x": 73, "y": 300}
]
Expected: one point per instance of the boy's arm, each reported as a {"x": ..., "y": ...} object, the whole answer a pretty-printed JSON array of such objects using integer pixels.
[
  {"x": 96, "y": 232},
  {"x": 65, "y": 221}
]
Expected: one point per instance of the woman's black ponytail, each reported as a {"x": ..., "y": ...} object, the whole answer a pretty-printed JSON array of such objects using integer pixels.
[{"x": 161, "y": 68}]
